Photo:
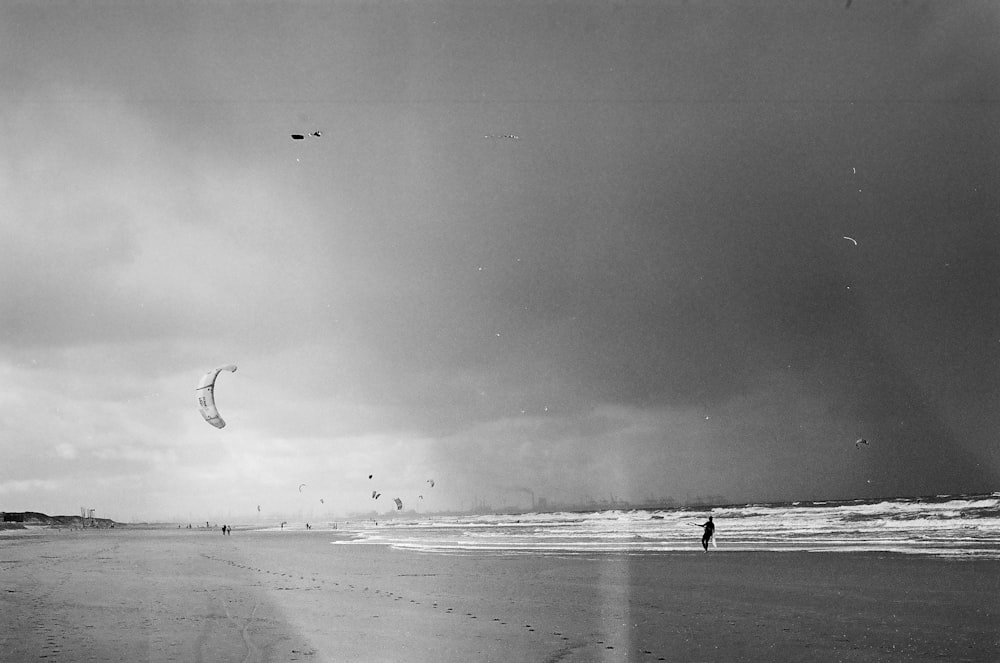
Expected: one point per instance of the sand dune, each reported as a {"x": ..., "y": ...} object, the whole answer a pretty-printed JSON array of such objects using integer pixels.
[{"x": 194, "y": 595}]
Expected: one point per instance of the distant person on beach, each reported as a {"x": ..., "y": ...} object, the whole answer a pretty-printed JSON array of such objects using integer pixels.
[{"x": 709, "y": 531}]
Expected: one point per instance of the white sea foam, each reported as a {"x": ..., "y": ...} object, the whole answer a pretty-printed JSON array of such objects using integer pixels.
[{"x": 958, "y": 526}]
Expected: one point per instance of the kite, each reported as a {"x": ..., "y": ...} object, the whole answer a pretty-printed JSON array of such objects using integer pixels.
[
  {"x": 431, "y": 482},
  {"x": 399, "y": 503},
  {"x": 857, "y": 445},
  {"x": 376, "y": 494},
  {"x": 301, "y": 486},
  {"x": 206, "y": 396},
  {"x": 851, "y": 239},
  {"x": 315, "y": 134}
]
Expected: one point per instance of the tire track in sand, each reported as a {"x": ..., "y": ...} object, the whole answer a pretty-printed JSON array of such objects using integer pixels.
[{"x": 565, "y": 644}]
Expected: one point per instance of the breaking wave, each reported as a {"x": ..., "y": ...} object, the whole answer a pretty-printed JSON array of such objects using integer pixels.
[{"x": 955, "y": 526}]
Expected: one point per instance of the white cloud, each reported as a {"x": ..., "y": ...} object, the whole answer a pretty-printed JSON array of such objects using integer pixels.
[{"x": 28, "y": 485}]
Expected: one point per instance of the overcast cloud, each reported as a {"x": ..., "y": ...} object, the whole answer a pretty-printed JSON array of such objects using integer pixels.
[{"x": 647, "y": 294}]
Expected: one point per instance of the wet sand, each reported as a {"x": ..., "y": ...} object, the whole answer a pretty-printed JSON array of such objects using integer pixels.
[{"x": 195, "y": 595}]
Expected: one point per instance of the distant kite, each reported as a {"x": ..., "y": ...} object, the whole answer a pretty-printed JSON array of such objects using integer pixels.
[
  {"x": 857, "y": 445},
  {"x": 851, "y": 239},
  {"x": 431, "y": 482},
  {"x": 502, "y": 137},
  {"x": 399, "y": 503},
  {"x": 301, "y": 486},
  {"x": 315, "y": 134}
]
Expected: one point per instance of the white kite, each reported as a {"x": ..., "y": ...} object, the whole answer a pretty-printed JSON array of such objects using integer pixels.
[
  {"x": 851, "y": 239},
  {"x": 206, "y": 396}
]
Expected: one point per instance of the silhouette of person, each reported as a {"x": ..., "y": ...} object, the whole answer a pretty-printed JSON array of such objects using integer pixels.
[{"x": 709, "y": 531}]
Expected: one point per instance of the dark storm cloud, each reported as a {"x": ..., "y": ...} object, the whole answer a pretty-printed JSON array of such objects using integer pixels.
[{"x": 647, "y": 293}]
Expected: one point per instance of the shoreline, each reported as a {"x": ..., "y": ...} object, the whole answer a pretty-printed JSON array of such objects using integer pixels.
[{"x": 157, "y": 595}]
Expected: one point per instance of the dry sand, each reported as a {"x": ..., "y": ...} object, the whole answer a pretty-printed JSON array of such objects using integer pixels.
[{"x": 195, "y": 595}]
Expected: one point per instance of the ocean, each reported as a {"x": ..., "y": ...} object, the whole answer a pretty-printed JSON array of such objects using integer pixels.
[{"x": 953, "y": 526}]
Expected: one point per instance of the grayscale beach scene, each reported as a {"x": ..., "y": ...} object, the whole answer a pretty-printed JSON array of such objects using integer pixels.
[{"x": 526, "y": 332}]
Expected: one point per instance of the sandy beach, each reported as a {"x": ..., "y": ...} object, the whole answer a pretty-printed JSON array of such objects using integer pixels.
[{"x": 195, "y": 595}]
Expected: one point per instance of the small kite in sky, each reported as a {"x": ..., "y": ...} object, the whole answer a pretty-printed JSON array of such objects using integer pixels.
[
  {"x": 315, "y": 134},
  {"x": 857, "y": 445},
  {"x": 851, "y": 239}
]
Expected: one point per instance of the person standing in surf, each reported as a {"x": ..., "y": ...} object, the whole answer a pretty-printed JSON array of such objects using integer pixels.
[{"x": 709, "y": 531}]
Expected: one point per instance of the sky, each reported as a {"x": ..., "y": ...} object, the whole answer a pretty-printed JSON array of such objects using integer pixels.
[{"x": 580, "y": 252}]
